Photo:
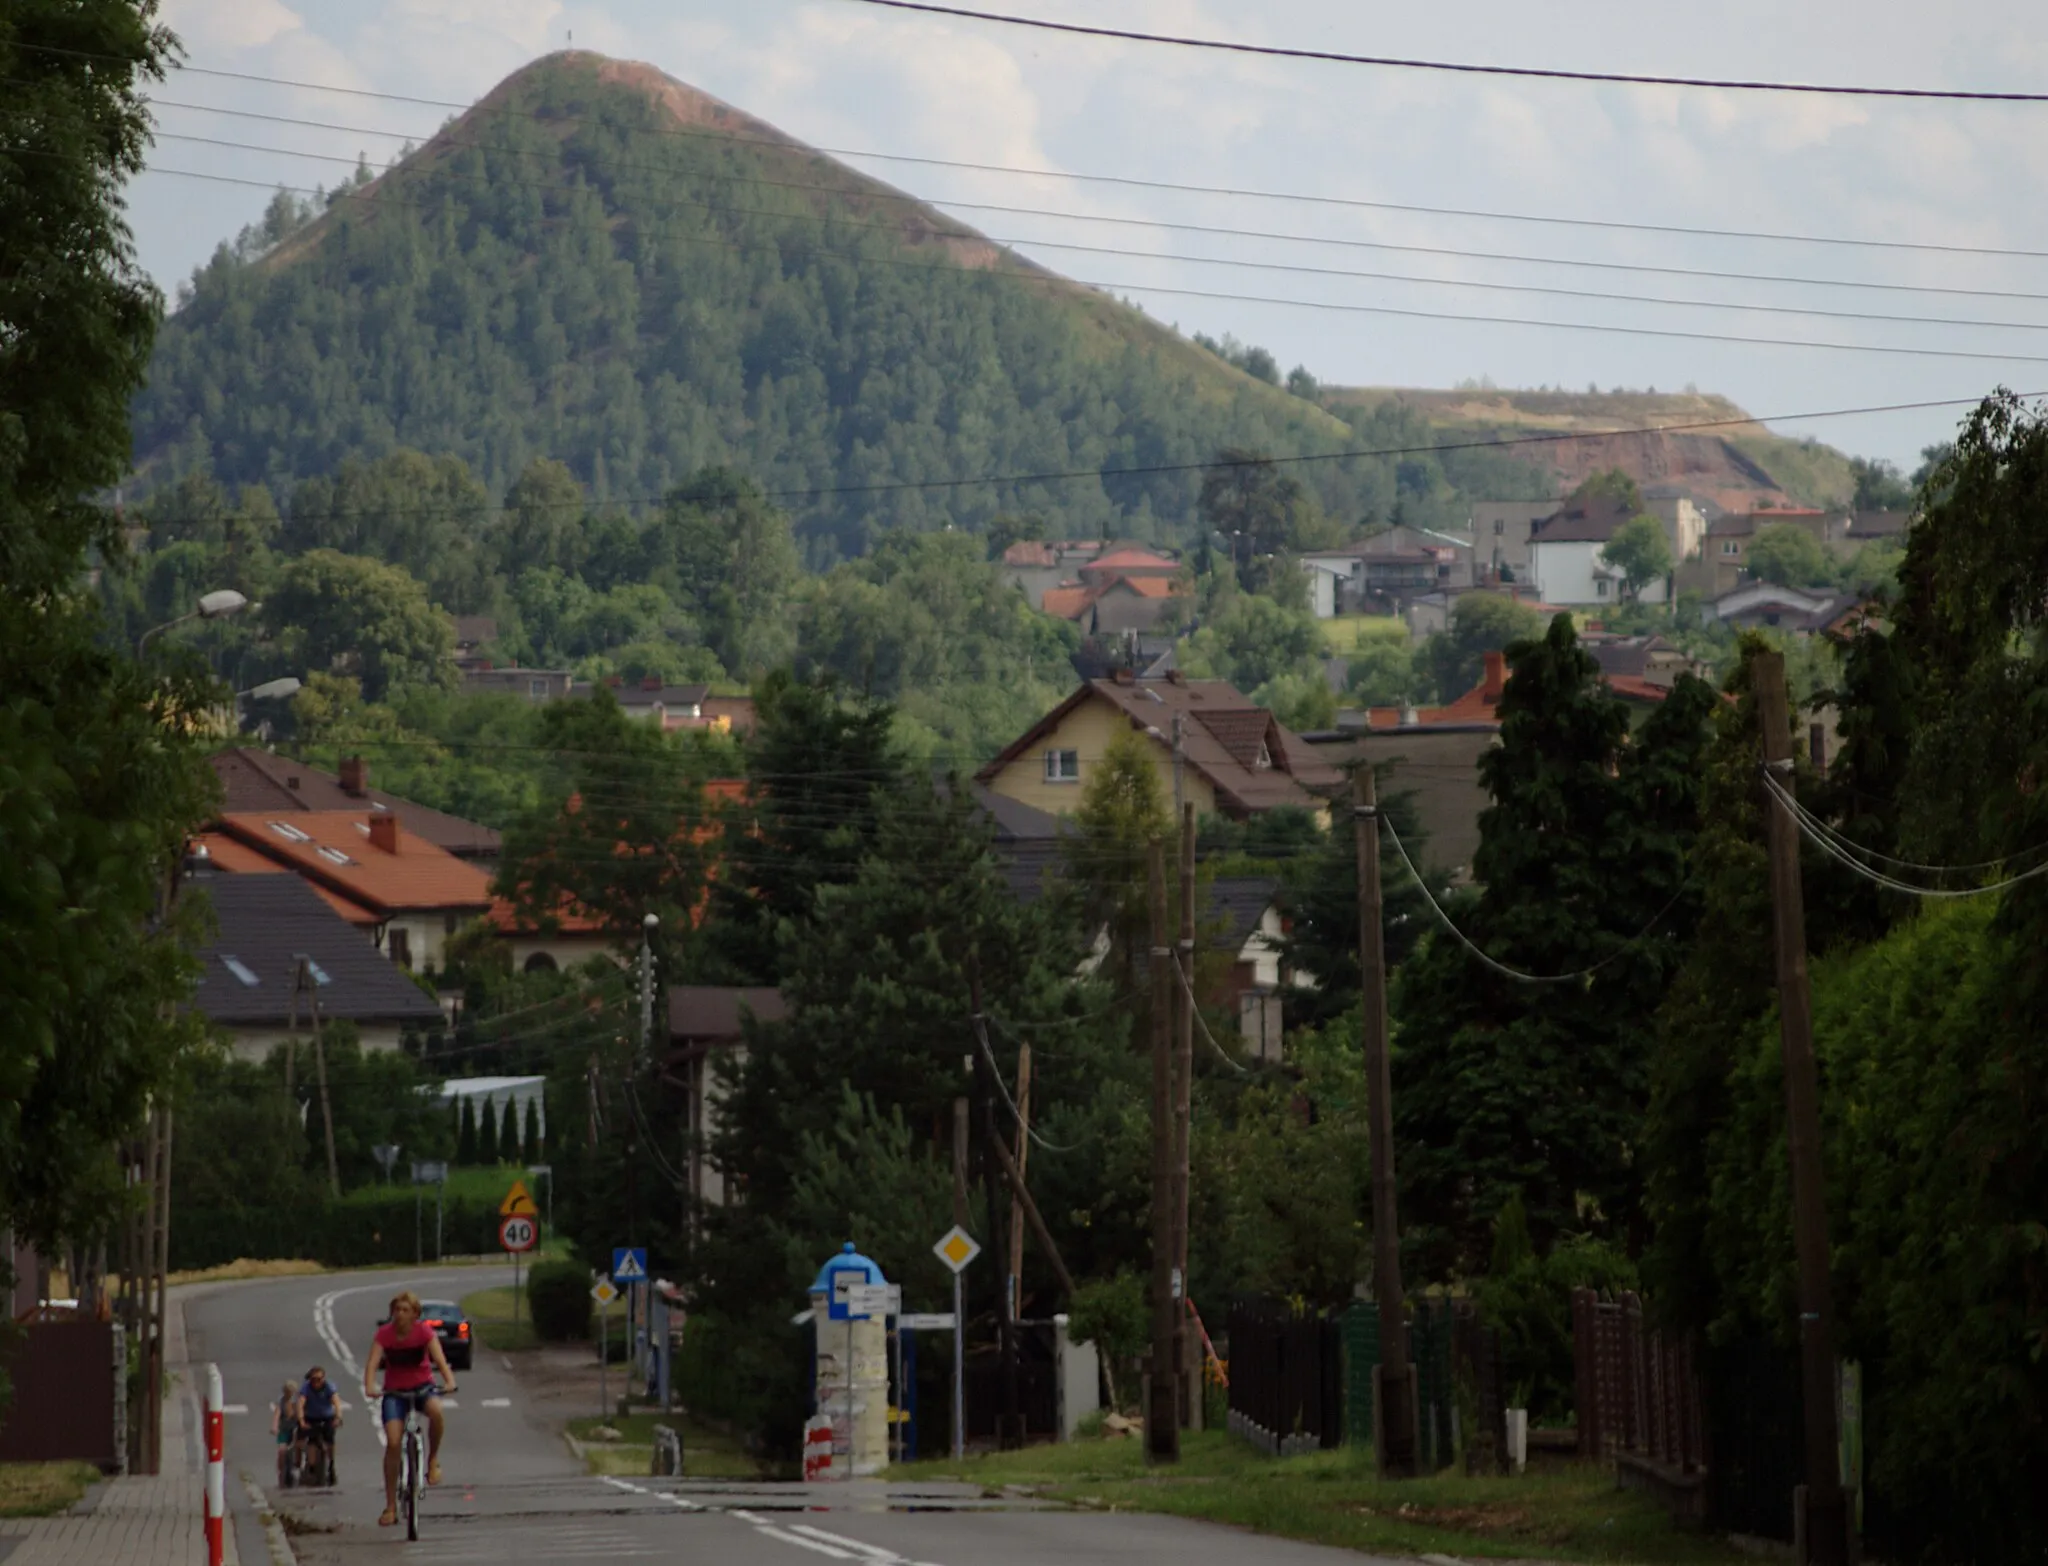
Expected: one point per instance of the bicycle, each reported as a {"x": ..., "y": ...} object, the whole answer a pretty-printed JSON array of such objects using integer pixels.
[
  {"x": 316, "y": 1454},
  {"x": 412, "y": 1465}
]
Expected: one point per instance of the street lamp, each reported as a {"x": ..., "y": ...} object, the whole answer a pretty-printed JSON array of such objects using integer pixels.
[{"x": 216, "y": 605}]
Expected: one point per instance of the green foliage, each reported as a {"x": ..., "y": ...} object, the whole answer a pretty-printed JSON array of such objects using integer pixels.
[
  {"x": 1122, "y": 810},
  {"x": 1789, "y": 555},
  {"x": 466, "y": 1138},
  {"x": 1112, "y": 1314},
  {"x": 1640, "y": 552},
  {"x": 558, "y": 1300},
  {"x": 575, "y": 282},
  {"x": 529, "y": 1142},
  {"x": 1480, "y": 623},
  {"x": 1252, "y": 641},
  {"x": 487, "y": 1133},
  {"x": 1382, "y": 673},
  {"x": 1505, "y": 1086},
  {"x": 508, "y": 1136},
  {"x": 1879, "y": 486},
  {"x": 1529, "y": 1300},
  {"x": 1609, "y": 484},
  {"x": 353, "y": 616}
]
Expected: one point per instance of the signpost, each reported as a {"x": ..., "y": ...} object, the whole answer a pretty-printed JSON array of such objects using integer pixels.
[
  {"x": 518, "y": 1232},
  {"x": 629, "y": 1269},
  {"x": 956, "y": 1248},
  {"x": 427, "y": 1172},
  {"x": 603, "y": 1292}
]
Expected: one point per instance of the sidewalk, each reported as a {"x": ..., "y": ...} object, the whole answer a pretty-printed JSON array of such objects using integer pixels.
[{"x": 136, "y": 1521}]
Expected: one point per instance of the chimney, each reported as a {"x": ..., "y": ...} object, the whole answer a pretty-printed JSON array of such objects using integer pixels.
[
  {"x": 384, "y": 831},
  {"x": 613, "y": 682},
  {"x": 1410, "y": 718},
  {"x": 650, "y": 682},
  {"x": 355, "y": 776},
  {"x": 1175, "y": 677},
  {"x": 1496, "y": 678}
]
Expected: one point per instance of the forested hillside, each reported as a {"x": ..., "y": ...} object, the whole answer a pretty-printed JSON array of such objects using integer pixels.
[{"x": 601, "y": 266}]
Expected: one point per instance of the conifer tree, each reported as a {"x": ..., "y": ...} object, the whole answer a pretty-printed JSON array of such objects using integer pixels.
[
  {"x": 487, "y": 1134},
  {"x": 465, "y": 1138},
  {"x": 508, "y": 1134},
  {"x": 530, "y": 1151}
]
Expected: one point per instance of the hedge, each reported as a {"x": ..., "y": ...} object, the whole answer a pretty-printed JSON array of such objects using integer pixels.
[{"x": 359, "y": 1231}]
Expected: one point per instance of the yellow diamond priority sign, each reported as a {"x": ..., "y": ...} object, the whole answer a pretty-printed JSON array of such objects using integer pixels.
[
  {"x": 603, "y": 1292},
  {"x": 518, "y": 1201},
  {"x": 956, "y": 1248}
]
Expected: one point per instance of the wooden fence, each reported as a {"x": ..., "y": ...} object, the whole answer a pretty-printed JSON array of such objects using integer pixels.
[{"x": 1639, "y": 1401}]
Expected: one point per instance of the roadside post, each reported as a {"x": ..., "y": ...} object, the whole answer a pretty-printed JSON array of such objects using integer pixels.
[
  {"x": 852, "y": 1387},
  {"x": 426, "y": 1172},
  {"x": 956, "y": 1248},
  {"x": 603, "y": 1292},
  {"x": 216, "y": 1475},
  {"x": 518, "y": 1233},
  {"x": 629, "y": 1267}
]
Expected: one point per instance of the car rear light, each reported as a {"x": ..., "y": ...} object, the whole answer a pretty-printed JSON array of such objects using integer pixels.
[{"x": 463, "y": 1330}]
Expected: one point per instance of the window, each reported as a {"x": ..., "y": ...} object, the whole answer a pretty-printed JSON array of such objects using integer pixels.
[
  {"x": 290, "y": 834},
  {"x": 334, "y": 856},
  {"x": 400, "y": 945},
  {"x": 1730, "y": 547},
  {"x": 1265, "y": 757},
  {"x": 239, "y": 969},
  {"x": 318, "y": 974},
  {"x": 1063, "y": 766},
  {"x": 1600, "y": 588},
  {"x": 537, "y": 689},
  {"x": 1500, "y": 526}
]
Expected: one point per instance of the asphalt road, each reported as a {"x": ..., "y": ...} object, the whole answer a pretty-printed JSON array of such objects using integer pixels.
[{"x": 514, "y": 1494}]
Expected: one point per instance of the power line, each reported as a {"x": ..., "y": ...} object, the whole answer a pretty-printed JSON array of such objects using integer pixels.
[
  {"x": 1395, "y": 62},
  {"x": 1827, "y": 844},
  {"x": 1604, "y": 296},
  {"x": 886, "y": 193},
  {"x": 1016, "y": 1114}
]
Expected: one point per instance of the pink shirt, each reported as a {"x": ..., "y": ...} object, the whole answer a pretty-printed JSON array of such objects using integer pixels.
[{"x": 406, "y": 1366}]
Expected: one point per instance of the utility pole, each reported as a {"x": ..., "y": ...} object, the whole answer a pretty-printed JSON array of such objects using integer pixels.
[
  {"x": 1821, "y": 1515},
  {"x": 1162, "y": 1412},
  {"x": 960, "y": 1152},
  {"x": 1184, "y": 1119},
  {"x": 1010, "y": 1426},
  {"x": 304, "y": 979},
  {"x": 1393, "y": 1404},
  {"x": 1023, "y": 1160}
]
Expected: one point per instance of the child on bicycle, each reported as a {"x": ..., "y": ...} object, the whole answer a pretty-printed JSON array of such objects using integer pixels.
[
  {"x": 409, "y": 1353},
  {"x": 320, "y": 1414},
  {"x": 284, "y": 1424}
]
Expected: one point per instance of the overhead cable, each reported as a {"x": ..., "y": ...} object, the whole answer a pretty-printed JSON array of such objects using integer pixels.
[{"x": 1849, "y": 861}]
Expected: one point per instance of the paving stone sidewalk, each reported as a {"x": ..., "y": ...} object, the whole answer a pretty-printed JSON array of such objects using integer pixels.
[{"x": 136, "y": 1520}]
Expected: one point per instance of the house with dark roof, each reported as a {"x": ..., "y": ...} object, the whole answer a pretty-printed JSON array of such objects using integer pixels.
[
  {"x": 1243, "y": 922},
  {"x": 1239, "y": 759},
  {"x": 1567, "y": 556},
  {"x": 706, "y": 1021},
  {"x": 264, "y": 926},
  {"x": 259, "y": 781}
]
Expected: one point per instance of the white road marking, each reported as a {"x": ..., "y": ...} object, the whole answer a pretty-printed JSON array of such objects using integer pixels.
[
  {"x": 234, "y": 1408},
  {"x": 495, "y": 1402},
  {"x": 784, "y": 1536},
  {"x": 873, "y": 1551}
]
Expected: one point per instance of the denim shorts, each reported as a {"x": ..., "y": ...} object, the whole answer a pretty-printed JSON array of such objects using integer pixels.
[{"x": 398, "y": 1404}]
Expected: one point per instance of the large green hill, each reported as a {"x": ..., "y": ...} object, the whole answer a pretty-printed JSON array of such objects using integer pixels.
[{"x": 601, "y": 265}]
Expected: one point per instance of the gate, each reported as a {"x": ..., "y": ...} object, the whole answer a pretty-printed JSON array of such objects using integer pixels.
[{"x": 1286, "y": 1378}]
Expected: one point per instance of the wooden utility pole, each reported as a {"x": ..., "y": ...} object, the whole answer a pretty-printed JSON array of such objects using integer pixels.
[
  {"x": 1821, "y": 1524},
  {"x": 148, "y": 1416},
  {"x": 1017, "y": 1197},
  {"x": 960, "y": 1155},
  {"x": 304, "y": 978},
  {"x": 1162, "y": 1409},
  {"x": 1393, "y": 1404},
  {"x": 1190, "y": 1386}
]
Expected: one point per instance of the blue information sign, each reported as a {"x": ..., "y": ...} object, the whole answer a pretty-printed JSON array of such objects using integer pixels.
[{"x": 629, "y": 1264}]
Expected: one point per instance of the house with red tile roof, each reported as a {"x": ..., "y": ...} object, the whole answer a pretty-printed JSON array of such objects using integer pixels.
[
  {"x": 253, "y": 780},
  {"x": 416, "y": 893}
]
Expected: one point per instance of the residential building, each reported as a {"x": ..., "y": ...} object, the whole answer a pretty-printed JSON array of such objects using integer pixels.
[
  {"x": 1868, "y": 527},
  {"x": 254, "y": 781},
  {"x": 1729, "y": 537},
  {"x": 1243, "y": 921},
  {"x": 534, "y": 685},
  {"x": 653, "y": 700},
  {"x": 473, "y": 633},
  {"x": 1755, "y": 603},
  {"x": 416, "y": 894},
  {"x": 1647, "y": 657},
  {"x": 1685, "y": 523},
  {"x": 1128, "y": 562},
  {"x": 1567, "y": 562},
  {"x": 1035, "y": 567},
  {"x": 1381, "y": 572},
  {"x": 550, "y": 946},
  {"x": 264, "y": 925},
  {"x": 1239, "y": 760},
  {"x": 1500, "y": 534},
  {"x": 1116, "y": 592},
  {"x": 707, "y": 1022}
]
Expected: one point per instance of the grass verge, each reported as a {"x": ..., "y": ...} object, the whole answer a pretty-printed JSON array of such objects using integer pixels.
[
  {"x": 1573, "y": 1513},
  {"x": 707, "y": 1453},
  {"x": 490, "y": 1312},
  {"x": 42, "y": 1489},
  {"x": 1348, "y": 633}
]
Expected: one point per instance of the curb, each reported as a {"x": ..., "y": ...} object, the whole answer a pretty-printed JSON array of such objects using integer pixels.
[{"x": 273, "y": 1529}]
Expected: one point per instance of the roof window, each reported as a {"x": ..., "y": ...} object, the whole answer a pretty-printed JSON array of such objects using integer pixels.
[
  {"x": 334, "y": 856},
  {"x": 239, "y": 969},
  {"x": 289, "y": 833},
  {"x": 320, "y": 974}
]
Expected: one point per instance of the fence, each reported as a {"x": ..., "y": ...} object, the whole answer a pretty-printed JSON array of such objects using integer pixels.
[
  {"x": 1430, "y": 1351},
  {"x": 69, "y": 1386},
  {"x": 1286, "y": 1378},
  {"x": 1638, "y": 1396}
]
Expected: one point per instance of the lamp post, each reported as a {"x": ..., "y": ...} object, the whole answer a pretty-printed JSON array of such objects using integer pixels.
[{"x": 216, "y": 605}]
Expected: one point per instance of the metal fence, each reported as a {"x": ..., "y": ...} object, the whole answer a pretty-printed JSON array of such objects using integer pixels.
[{"x": 1286, "y": 1378}]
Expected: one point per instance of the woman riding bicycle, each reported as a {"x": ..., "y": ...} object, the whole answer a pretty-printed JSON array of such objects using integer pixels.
[
  {"x": 409, "y": 1353},
  {"x": 320, "y": 1417}
]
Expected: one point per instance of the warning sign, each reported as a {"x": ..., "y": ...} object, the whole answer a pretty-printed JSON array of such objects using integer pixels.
[{"x": 518, "y": 1201}]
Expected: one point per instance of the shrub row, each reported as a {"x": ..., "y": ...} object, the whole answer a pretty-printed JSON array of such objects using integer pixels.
[{"x": 358, "y": 1231}]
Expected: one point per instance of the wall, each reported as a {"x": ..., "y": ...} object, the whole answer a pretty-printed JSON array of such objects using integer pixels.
[
  {"x": 1568, "y": 573},
  {"x": 1440, "y": 766},
  {"x": 64, "y": 1391},
  {"x": 1089, "y": 729},
  {"x": 255, "y": 1043},
  {"x": 566, "y": 951}
]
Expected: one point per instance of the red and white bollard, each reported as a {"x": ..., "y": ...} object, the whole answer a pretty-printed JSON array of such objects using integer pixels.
[{"x": 216, "y": 1471}]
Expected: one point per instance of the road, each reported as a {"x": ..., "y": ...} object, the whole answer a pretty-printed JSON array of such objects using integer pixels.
[{"x": 515, "y": 1494}]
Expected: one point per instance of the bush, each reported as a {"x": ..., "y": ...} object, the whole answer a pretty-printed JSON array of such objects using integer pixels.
[
  {"x": 558, "y": 1296},
  {"x": 1529, "y": 1299},
  {"x": 365, "y": 1229}
]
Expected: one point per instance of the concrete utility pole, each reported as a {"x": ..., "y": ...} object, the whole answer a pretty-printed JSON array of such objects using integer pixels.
[
  {"x": 1184, "y": 1121},
  {"x": 1162, "y": 1410},
  {"x": 1394, "y": 1410},
  {"x": 303, "y": 979},
  {"x": 1821, "y": 1514}
]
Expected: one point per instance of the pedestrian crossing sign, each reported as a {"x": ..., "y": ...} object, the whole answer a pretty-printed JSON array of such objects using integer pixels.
[
  {"x": 518, "y": 1202},
  {"x": 629, "y": 1264}
]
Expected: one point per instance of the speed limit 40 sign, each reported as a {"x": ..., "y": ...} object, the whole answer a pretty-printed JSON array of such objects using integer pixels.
[{"x": 518, "y": 1232}]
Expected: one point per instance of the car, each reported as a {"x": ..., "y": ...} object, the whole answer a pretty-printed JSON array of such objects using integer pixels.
[{"x": 453, "y": 1328}]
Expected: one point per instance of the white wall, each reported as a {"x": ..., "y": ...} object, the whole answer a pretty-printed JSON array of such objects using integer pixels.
[
  {"x": 1569, "y": 573},
  {"x": 256, "y": 1043}
]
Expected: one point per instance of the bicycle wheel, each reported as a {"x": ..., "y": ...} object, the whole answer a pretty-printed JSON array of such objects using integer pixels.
[{"x": 411, "y": 1481}]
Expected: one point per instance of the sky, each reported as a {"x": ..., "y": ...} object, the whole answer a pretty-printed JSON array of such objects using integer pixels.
[{"x": 1319, "y": 158}]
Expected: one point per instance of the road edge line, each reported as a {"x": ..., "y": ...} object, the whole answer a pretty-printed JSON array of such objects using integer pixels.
[{"x": 273, "y": 1526}]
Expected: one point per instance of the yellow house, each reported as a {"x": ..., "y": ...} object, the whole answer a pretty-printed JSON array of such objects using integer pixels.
[{"x": 1239, "y": 760}]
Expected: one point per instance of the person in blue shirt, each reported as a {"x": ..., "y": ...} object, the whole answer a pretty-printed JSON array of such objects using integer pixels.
[{"x": 319, "y": 1410}]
